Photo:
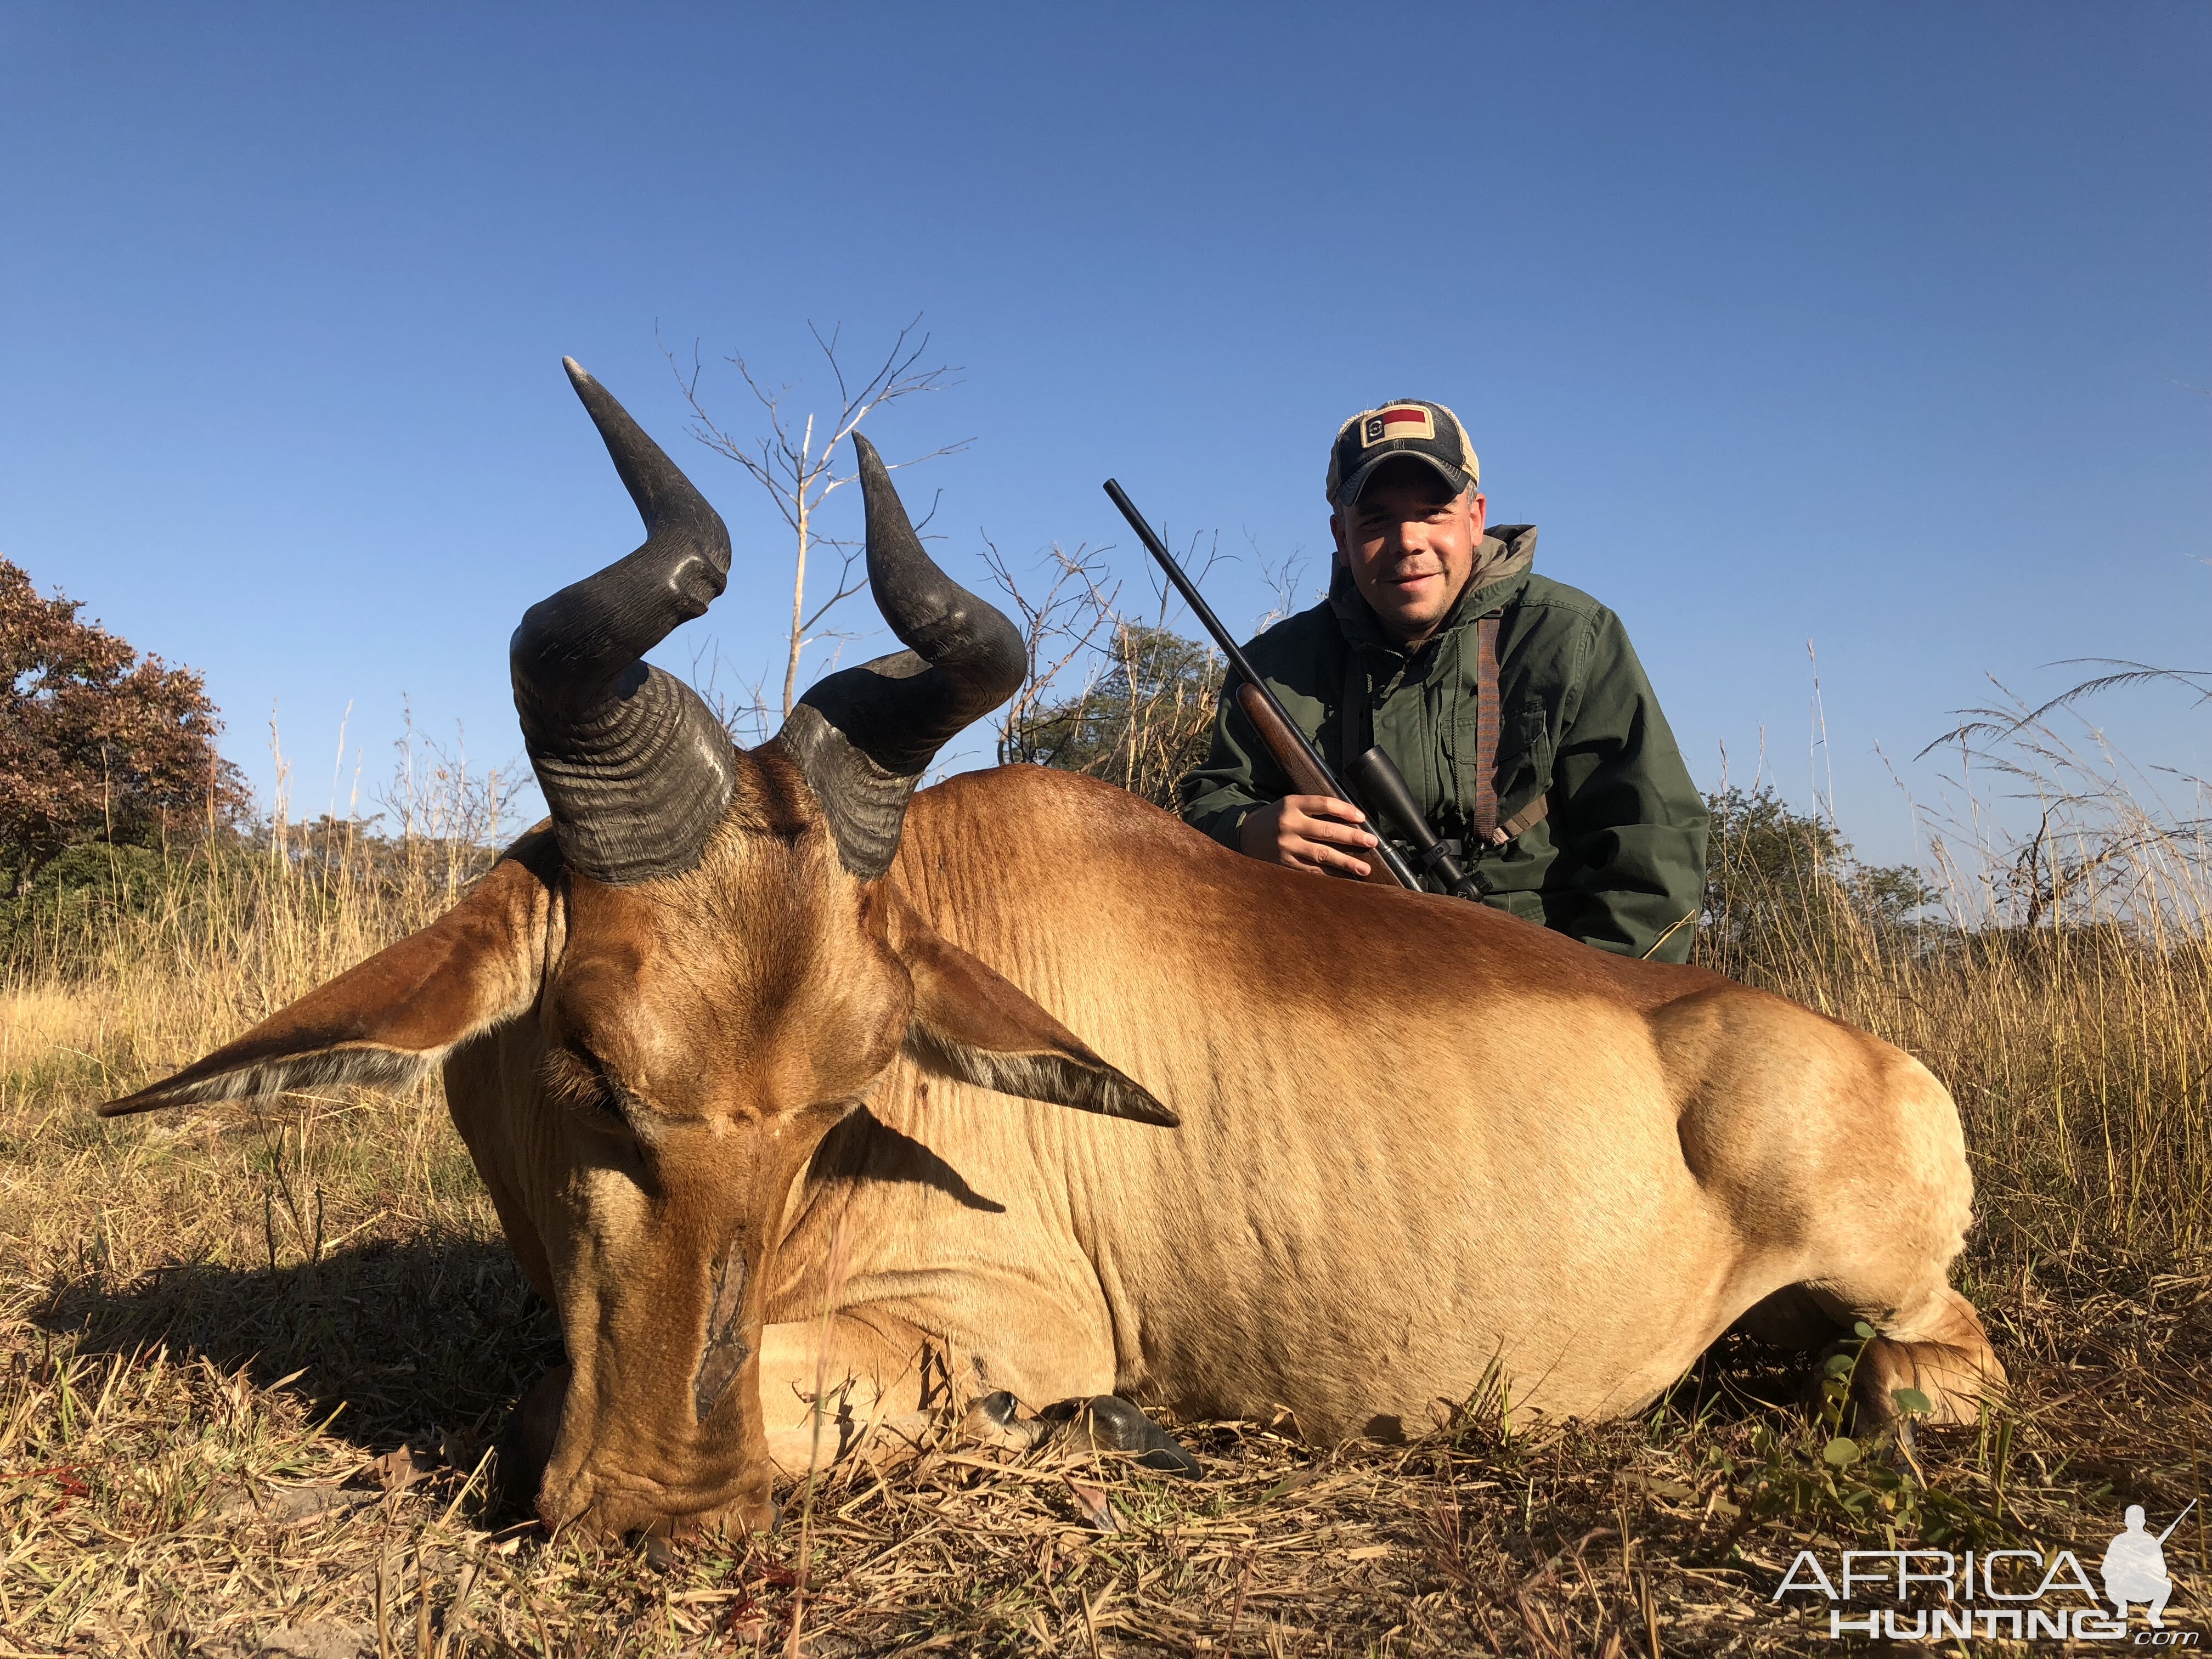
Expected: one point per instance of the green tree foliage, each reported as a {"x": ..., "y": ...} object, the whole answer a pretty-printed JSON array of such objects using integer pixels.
[
  {"x": 1780, "y": 884},
  {"x": 97, "y": 742},
  {"x": 80, "y": 887},
  {"x": 1142, "y": 724}
]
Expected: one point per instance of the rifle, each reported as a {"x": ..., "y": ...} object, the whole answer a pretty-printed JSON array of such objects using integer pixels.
[
  {"x": 1383, "y": 788},
  {"x": 2178, "y": 1520}
]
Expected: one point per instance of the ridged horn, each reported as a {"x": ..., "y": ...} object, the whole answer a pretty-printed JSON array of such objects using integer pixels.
[
  {"x": 636, "y": 770},
  {"x": 863, "y": 735}
]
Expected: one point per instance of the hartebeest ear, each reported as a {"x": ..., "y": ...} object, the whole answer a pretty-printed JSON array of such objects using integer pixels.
[
  {"x": 971, "y": 1022},
  {"x": 396, "y": 1014}
]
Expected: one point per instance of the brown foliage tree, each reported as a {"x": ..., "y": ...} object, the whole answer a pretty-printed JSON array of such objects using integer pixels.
[{"x": 97, "y": 743}]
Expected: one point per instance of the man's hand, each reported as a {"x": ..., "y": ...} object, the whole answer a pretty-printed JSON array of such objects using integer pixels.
[{"x": 1309, "y": 832}]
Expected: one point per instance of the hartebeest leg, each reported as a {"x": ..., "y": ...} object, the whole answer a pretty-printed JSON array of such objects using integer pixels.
[
  {"x": 880, "y": 1388},
  {"x": 1107, "y": 1422},
  {"x": 876, "y": 1383},
  {"x": 1839, "y": 1164},
  {"x": 1939, "y": 1348},
  {"x": 1930, "y": 1339},
  {"x": 526, "y": 1444},
  {"x": 1935, "y": 1344}
]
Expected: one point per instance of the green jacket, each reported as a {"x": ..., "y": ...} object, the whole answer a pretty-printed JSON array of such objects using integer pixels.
[{"x": 1618, "y": 860}]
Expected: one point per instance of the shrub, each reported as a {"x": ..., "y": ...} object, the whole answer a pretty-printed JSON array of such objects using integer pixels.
[
  {"x": 1783, "y": 886},
  {"x": 1142, "y": 723}
]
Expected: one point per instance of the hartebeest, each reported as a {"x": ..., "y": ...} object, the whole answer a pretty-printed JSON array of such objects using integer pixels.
[{"x": 731, "y": 1007}]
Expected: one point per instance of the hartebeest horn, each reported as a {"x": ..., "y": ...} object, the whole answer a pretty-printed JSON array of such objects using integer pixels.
[
  {"x": 638, "y": 773},
  {"x": 863, "y": 735}
]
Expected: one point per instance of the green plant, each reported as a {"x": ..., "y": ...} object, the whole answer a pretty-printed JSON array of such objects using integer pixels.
[{"x": 1784, "y": 887}]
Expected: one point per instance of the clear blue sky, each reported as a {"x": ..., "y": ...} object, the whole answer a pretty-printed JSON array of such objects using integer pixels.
[{"x": 1887, "y": 326}]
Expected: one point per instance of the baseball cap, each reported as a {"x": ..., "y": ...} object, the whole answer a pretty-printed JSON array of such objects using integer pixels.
[{"x": 1412, "y": 426}]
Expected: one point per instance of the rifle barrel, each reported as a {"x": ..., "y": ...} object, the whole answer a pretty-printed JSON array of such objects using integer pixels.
[
  {"x": 1192, "y": 597},
  {"x": 1388, "y": 855},
  {"x": 2178, "y": 1520}
]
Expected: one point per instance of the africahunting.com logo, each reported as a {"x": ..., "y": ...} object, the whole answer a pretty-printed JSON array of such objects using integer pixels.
[{"x": 2022, "y": 1596}]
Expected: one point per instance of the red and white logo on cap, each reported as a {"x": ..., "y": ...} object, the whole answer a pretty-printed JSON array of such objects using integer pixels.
[{"x": 1399, "y": 421}]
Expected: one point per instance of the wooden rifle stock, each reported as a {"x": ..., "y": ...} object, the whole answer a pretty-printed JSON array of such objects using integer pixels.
[{"x": 1306, "y": 778}]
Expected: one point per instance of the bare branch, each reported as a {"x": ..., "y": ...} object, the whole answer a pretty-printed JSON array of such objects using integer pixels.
[
  {"x": 799, "y": 473},
  {"x": 847, "y": 584}
]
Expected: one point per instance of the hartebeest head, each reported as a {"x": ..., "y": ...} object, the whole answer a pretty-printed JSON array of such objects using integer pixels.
[{"x": 670, "y": 998}]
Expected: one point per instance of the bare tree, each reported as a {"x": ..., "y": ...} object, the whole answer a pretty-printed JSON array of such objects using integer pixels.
[
  {"x": 1057, "y": 629},
  {"x": 1109, "y": 694},
  {"x": 799, "y": 472},
  {"x": 1284, "y": 578}
]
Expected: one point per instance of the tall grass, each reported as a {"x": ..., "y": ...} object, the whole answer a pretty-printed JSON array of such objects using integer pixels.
[
  {"x": 2059, "y": 982},
  {"x": 105, "y": 984},
  {"x": 160, "y": 956}
]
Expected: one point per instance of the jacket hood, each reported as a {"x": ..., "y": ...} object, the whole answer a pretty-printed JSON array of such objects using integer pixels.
[{"x": 1507, "y": 551}]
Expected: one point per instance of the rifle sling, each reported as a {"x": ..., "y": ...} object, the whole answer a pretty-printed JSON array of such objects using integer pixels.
[{"x": 1358, "y": 734}]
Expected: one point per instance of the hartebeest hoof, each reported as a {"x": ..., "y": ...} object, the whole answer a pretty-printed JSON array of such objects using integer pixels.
[
  {"x": 995, "y": 1420},
  {"x": 1107, "y": 1422},
  {"x": 1954, "y": 1379}
]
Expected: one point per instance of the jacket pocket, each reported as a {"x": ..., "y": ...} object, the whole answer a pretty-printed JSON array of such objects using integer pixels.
[{"x": 1524, "y": 759}]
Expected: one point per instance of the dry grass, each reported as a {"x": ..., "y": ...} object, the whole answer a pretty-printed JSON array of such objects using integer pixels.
[{"x": 215, "y": 1333}]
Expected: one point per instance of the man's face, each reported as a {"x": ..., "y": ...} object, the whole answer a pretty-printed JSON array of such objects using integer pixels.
[{"x": 1410, "y": 544}]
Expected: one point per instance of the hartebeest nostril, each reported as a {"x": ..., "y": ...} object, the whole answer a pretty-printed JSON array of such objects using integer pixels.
[{"x": 725, "y": 1351}]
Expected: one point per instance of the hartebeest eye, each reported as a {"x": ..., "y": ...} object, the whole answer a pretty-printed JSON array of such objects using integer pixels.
[{"x": 580, "y": 1079}]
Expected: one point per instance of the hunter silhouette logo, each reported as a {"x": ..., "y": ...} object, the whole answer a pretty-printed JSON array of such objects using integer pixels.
[
  {"x": 2022, "y": 1594},
  {"x": 2134, "y": 1568}
]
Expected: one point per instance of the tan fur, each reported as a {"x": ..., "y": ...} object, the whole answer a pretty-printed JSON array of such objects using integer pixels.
[
  {"x": 1418, "y": 1137},
  {"x": 1416, "y": 1134}
]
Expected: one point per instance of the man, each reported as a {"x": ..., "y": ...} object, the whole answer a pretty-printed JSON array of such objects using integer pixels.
[{"x": 1513, "y": 704}]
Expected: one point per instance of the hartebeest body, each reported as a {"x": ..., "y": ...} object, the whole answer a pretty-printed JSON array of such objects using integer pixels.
[{"x": 733, "y": 1016}]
